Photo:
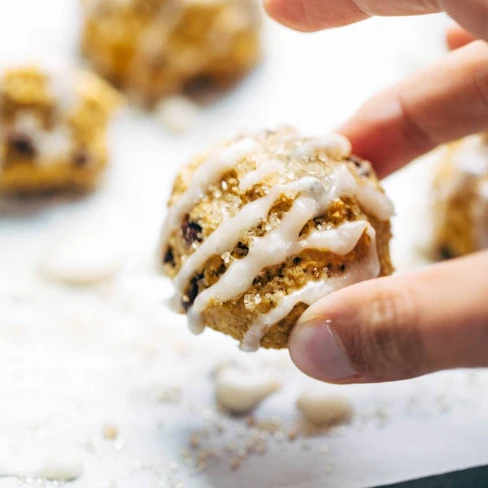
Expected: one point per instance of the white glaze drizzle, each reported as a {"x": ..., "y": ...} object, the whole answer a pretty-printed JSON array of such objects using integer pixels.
[
  {"x": 312, "y": 198},
  {"x": 375, "y": 202},
  {"x": 260, "y": 173},
  {"x": 279, "y": 244},
  {"x": 55, "y": 144},
  {"x": 62, "y": 82},
  {"x": 207, "y": 174},
  {"x": 226, "y": 236},
  {"x": 312, "y": 292},
  {"x": 333, "y": 144},
  {"x": 340, "y": 240},
  {"x": 49, "y": 144}
]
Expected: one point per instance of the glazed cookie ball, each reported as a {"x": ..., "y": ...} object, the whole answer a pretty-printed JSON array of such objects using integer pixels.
[
  {"x": 261, "y": 227},
  {"x": 461, "y": 198},
  {"x": 52, "y": 129},
  {"x": 152, "y": 48}
]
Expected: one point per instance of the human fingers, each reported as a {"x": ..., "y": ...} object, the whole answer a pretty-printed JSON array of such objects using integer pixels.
[
  {"x": 398, "y": 327},
  {"x": 470, "y": 14},
  {"x": 457, "y": 37},
  {"x": 313, "y": 15},
  {"x": 442, "y": 103}
]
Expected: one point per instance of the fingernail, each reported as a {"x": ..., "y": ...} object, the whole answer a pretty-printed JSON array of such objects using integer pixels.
[{"x": 317, "y": 351}]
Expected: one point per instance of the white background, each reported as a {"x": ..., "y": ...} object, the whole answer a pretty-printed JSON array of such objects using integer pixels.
[{"x": 76, "y": 359}]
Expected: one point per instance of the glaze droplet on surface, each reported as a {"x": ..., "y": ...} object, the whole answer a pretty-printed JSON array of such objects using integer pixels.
[
  {"x": 83, "y": 252},
  {"x": 323, "y": 408},
  {"x": 239, "y": 390}
]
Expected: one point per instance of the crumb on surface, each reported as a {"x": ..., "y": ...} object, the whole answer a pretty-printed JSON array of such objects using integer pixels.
[
  {"x": 325, "y": 409},
  {"x": 110, "y": 432},
  {"x": 239, "y": 391},
  {"x": 177, "y": 114}
]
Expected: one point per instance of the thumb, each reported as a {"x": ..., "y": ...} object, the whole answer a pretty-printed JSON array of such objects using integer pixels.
[
  {"x": 398, "y": 327},
  {"x": 457, "y": 37}
]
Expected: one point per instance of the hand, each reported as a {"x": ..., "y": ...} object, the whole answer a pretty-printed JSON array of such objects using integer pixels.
[{"x": 404, "y": 326}]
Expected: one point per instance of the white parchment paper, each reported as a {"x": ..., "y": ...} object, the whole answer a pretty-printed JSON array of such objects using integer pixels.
[{"x": 77, "y": 359}]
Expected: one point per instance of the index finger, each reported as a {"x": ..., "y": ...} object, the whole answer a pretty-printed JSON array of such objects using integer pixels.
[
  {"x": 442, "y": 103},
  {"x": 313, "y": 15}
]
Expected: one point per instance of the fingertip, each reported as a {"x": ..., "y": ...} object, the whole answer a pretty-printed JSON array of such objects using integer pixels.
[
  {"x": 290, "y": 14},
  {"x": 376, "y": 135},
  {"x": 299, "y": 344},
  {"x": 362, "y": 141},
  {"x": 457, "y": 37},
  {"x": 269, "y": 7},
  {"x": 436, "y": 105},
  {"x": 314, "y": 15},
  {"x": 317, "y": 351},
  {"x": 341, "y": 341}
]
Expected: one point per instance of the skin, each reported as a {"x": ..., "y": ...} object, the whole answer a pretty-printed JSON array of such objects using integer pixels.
[{"x": 437, "y": 318}]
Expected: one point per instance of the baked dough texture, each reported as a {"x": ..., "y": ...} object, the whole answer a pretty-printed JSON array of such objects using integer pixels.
[
  {"x": 262, "y": 226},
  {"x": 153, "y": 48},
  {"x": 461, "y": 198},
  {"x": 53, "y": 129}
]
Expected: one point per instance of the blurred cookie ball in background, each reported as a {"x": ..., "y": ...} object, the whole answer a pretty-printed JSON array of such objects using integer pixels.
[
  {"x": 154, "y": 48},
  {"x": 264, "y": 225},
  {"x": 53, "y": 129},
  {"x": 461, "y": 198}
]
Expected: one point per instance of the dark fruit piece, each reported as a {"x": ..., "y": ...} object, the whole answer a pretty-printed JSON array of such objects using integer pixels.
[
  {"x": 169, "y": 257},
  {"x": 446, "y": 253},
  {"x": 241, "y": 250},
  {"x": 191, "y": 293},
  {"x": 199, "y": 86},
  {"x": 192, "y": 232},
  {"x": 81, "y": 159},
  {"x": 361, "y": 165},
  {"x": 21, "y": 145}
]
